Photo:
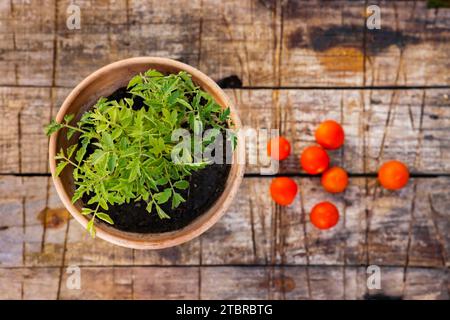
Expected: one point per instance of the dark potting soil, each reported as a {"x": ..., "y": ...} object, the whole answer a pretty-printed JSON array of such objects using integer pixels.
[{"x": 205, "y": 187}]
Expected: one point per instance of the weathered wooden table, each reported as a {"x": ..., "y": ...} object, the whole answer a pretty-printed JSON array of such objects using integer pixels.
[{"x": 292, "y": 65}]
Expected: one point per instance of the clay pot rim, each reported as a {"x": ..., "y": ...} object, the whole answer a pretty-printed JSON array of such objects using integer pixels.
[{"x": 156, "y": 240}]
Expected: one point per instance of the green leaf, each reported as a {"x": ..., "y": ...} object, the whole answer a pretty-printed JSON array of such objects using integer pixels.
[
  {"x": 134, "y": 81},
  {"x": 112, "y": 161},
  {"x": 161, "y": 213},
  {"x": 107, "y": 141},
  {"x": 162, "y": 181},
  {"x": 85, "y": 211},
  {"x": 184, "y": 103},
  {"x": 82, "y": 150},
  {"x": 52, "y": 127},
  {"x": 153, "y": 73},
  {"x": 105, "y": 217},
  {"x": 70, "y": 133},
  {"x": 90, "y": 227},
  {"x": 78, "y": 194},
  {"x": 149, "y": 206},
  {"x": 134, "y": 172},
  {"x": 181, "y": 184},
  {"x": 71, "y": 150},
  {"x": 103, "y": 204},
  {"x": 68, "y": 118},
  {"x": 124, "y": 152},
  {"x": 97, "y": 156},
  {"x": 60, "y": 166},
  {"x": 116, "y": 133},
  {"x": 163, "y": 197},
  {"x": 225, "y": 115},
  {"x": 177, "y": 199}
]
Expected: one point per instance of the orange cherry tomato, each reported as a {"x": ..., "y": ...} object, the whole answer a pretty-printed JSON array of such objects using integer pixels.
[
  {"x": 330, "y": 135},
  {"x": 283, "y": 190},
  {"x": 393, "y": 175},
  {"x": 335, "y": 180},
  {"x": 280, "y": 146},
  {"x": 324, "y": 215},
  {"x": 314, "y": 160}
]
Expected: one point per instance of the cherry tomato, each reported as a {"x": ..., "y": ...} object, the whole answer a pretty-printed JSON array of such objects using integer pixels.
[
  {"x": 393, "y": 175},
  {"x": 324, "y": 215},
  {"x": 330, "y": 135},
  {"x": 335, "y": 180},
  {"x": 283, "y": 190},
  {"x": 314, "y": 160},
  {"x": 281, "y": 148}
]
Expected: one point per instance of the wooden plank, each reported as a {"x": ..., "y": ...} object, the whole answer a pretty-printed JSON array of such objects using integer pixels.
[
  {"x": 408, "y": 125},
  {"x": 27, "y": 42},
  {"x": 235, "y": 283},
  {"x": 29, "y": 283},
  {"x": 406, "y": 228},
  {"x": 410, "y": 31},
  {"x": 23, "y": 144},
  {"x": 111, "y": 31},
  {"x": 263, "y": 43},
  {"x": 33, "y": 223}
]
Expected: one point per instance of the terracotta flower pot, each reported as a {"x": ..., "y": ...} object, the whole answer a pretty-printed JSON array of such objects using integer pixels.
[{"x": 104, "y": 82}]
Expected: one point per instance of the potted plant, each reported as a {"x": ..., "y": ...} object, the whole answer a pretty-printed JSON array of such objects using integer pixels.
[{"x": 134, "y": 153}]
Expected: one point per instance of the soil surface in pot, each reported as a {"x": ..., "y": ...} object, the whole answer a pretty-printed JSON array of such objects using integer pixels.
[{"x": 206, "y": 186}]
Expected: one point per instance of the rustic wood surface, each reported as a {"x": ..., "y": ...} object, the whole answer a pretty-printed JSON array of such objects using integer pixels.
[{"x": 291, "y": 64}]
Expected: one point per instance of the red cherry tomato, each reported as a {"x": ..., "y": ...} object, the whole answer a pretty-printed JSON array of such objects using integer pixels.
[
  {"x": 330, "y": 135},
  {"x": 324, "y": 215},
  {"x": 393, "y": 175},
  {"x": 314, "y": 160},
  {"x": 278, "y": 148},
  {"x": 335, "y": 180},
  {"x": 283, "y": 190}
]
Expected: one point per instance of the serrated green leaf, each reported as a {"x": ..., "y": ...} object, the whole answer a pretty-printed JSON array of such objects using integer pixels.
[
  {"x": 177, "y": 199},
  {"x": 68, "y": 118},
  {"x": 107, "y": 141},
  {"x": 184, "y": 103},
  {"x": 163, "y": 197},
  {"x": 112, "y": 161},
  {"x": 70, "y": 133},
  {"x": 181, "y": 184},
  {"x": 105, "y": 217},
  {"x": 134, "y": 81},
  {"x": 71, "y": 150},
  {"x": 130, "y": 148},
  {"x": 60, "y": 166},
  {"x": 52, "y": 127},
  {"x": 149, "y": 206},
  {"x": 161, "y": 213}
]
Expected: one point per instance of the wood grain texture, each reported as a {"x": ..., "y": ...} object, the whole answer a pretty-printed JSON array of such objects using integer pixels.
[
  {"x": 263, "y": 42},
  {"x": 408, "y": 125},
  {"x": 258, "y": 249},
  {"x": 406, "y": 228},
  {"x": 235, "y": 283}
]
